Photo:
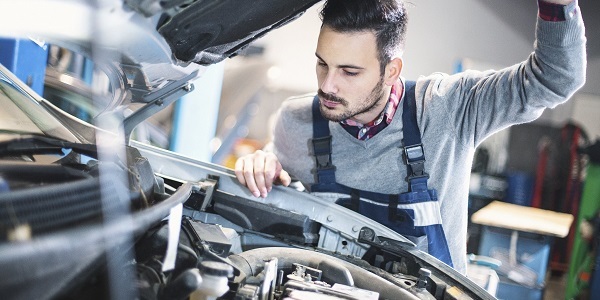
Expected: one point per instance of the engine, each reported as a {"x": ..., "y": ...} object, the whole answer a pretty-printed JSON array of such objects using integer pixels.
[
  {"x": 211, "y": 253},
  {"x": 70, "y": 232}
]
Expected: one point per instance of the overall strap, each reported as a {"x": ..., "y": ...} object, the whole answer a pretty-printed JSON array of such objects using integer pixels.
[
  {"x": 413, "y": 148},
  {"x": 321, "y": 141}
]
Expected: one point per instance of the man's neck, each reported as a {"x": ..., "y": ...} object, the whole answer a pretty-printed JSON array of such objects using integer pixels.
[{"x": 377, "y": 110}]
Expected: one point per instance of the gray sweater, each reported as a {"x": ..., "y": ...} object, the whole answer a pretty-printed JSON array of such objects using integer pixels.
[{"x": 455, "y": 114}]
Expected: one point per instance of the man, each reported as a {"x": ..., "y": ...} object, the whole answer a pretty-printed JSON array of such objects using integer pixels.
[{"x": 373, "y": 122}]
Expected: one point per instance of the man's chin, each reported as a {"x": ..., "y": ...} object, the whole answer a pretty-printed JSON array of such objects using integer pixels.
[{"x": 329, "y": 114}]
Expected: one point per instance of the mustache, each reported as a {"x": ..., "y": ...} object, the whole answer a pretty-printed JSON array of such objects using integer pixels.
[{"x": 330, "y": 97}]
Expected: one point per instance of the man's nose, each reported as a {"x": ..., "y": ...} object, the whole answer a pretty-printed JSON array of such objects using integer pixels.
[{"x": 329, "y": 85}]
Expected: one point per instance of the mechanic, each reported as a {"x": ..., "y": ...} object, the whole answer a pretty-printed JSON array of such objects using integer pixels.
[{"x": 361, "y": 144}]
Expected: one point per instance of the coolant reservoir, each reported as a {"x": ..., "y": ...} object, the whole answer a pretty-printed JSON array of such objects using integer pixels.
[{"x": 214, "y": 280}]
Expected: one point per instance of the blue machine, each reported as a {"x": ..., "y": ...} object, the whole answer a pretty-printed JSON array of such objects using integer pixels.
[{"x": 27, "y": 59}]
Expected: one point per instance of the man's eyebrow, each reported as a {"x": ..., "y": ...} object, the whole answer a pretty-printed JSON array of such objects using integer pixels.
[{"x": 341, "y": 66}]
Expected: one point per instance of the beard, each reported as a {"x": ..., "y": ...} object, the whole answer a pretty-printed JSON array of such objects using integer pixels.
[{"x": 365, "y": 105}]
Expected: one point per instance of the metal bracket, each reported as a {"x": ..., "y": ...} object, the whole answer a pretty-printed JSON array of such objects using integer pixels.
[
  {"x": 206, "y": 188},
  {"x": 368, "y": 236},
  {"x": 156, "y": 102}
]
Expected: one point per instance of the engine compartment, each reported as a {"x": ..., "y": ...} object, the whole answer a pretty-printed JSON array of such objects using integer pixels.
[{"x": 123, "y": 230}]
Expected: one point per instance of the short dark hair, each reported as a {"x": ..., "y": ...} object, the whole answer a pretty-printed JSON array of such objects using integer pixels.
[{"x": 386, "y": 18}]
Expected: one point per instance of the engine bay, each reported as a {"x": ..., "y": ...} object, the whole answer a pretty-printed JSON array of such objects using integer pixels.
[{"x": 131, "y": 228}]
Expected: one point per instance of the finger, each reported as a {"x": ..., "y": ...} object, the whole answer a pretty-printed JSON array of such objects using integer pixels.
[
  {"x": 272, "y": 170},
  {"x": 239, "y": 170},
  {"x": 248, "y": 174},
  {"x": 285, "y": 178},
  {"x": 259, "y": 173}
]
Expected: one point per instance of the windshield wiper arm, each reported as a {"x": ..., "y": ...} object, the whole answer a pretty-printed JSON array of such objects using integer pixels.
[{"x": 43, "y": 144}]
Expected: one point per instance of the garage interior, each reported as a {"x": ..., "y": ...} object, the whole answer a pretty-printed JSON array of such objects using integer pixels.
[{"x": 545, "y": 170}]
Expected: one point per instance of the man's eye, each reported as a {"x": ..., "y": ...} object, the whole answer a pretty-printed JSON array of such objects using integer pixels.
[
  {"x": 321, "y": 64},
  {"x": 350, "y": 73}
]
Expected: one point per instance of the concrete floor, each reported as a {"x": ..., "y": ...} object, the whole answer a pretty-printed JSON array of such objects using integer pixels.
[{"x": 555, "y": 287}]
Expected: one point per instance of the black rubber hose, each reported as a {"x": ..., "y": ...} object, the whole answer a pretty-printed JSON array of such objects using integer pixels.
[
  {"x": 29, "y": 261},
  {"x": 57, "y": 205},
  {"x": 45, "y": 173}
]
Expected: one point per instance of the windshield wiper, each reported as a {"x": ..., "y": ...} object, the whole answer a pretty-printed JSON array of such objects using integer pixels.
[{"x": 39, "y": 144}]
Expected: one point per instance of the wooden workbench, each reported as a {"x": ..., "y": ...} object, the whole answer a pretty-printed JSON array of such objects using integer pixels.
[{"x": 523, "y": 218}]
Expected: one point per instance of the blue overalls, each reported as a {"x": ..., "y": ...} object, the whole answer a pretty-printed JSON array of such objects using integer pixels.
[{"x": 414, "y": 214}]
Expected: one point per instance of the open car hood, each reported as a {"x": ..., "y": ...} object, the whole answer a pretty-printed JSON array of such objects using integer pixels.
[
  {"x": 82, "y": 220},
  {"x": 150, "y": 49}
]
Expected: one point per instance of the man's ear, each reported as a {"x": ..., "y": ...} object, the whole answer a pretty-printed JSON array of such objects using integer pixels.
[{"x": 392, "y": 71}]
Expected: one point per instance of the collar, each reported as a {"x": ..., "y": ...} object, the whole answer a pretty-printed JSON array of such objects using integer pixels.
[{"x": 388, "y": 112}]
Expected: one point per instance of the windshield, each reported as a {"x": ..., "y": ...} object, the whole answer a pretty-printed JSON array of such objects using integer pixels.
[{"x": 21, "y": 114}]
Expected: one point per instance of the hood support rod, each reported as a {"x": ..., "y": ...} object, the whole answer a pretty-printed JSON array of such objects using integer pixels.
[{"x": 156, "y": 102}]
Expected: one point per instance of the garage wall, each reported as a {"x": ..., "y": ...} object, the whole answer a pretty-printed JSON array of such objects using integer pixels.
[
  {"x": 439, "y": 34},
  {"x": 485, "y": 33},
  {"x": 435, "y": 41}
]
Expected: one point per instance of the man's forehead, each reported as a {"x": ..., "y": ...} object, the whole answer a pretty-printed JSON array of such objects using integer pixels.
[
  {"x": 352, "y": 48},
  {"x": 325, "y": 29}
]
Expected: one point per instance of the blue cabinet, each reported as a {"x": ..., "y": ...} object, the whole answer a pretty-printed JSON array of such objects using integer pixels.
[
  {"x": 520, "y": 237},
  {"x": 524, "y": 258}
]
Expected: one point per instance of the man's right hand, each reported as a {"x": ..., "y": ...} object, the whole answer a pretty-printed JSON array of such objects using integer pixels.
[{"x": 259, "y": 171}]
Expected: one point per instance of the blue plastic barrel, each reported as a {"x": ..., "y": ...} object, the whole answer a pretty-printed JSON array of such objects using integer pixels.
[{"x": 520, "y": 188}]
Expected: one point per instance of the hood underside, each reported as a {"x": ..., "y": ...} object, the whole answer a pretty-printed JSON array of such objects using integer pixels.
[
  {"x": 150, "y": 50},
  {"x": 206, "y": 32},
  {"x": 147, "y": 45}
]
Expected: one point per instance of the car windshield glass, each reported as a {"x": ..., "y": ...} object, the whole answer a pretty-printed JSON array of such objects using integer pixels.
[{"x": 22, "y": 114}]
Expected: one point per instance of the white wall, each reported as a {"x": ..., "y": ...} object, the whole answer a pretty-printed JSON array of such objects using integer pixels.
[
  {"x": 292, "y": 49},
  {"x": 586, "y": 111},
  {"x": 440, "y": 33},
  {"x": 435, "y": 41},
  {"x": 592, "y": 85}
]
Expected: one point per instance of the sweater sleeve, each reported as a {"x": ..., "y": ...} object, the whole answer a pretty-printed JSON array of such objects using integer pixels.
[
  {"x": 482, "y": 103},
  {"x": 292, "y": 130}
]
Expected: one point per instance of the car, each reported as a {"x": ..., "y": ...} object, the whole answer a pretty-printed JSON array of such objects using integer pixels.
[{"x": 87, "y": 212}]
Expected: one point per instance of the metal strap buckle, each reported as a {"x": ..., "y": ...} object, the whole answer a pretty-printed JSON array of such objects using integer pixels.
[
  {"x": 414, "y": 153},
  {"x": 322, "y": 150},
  {"x": 414, "y": 157}
]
